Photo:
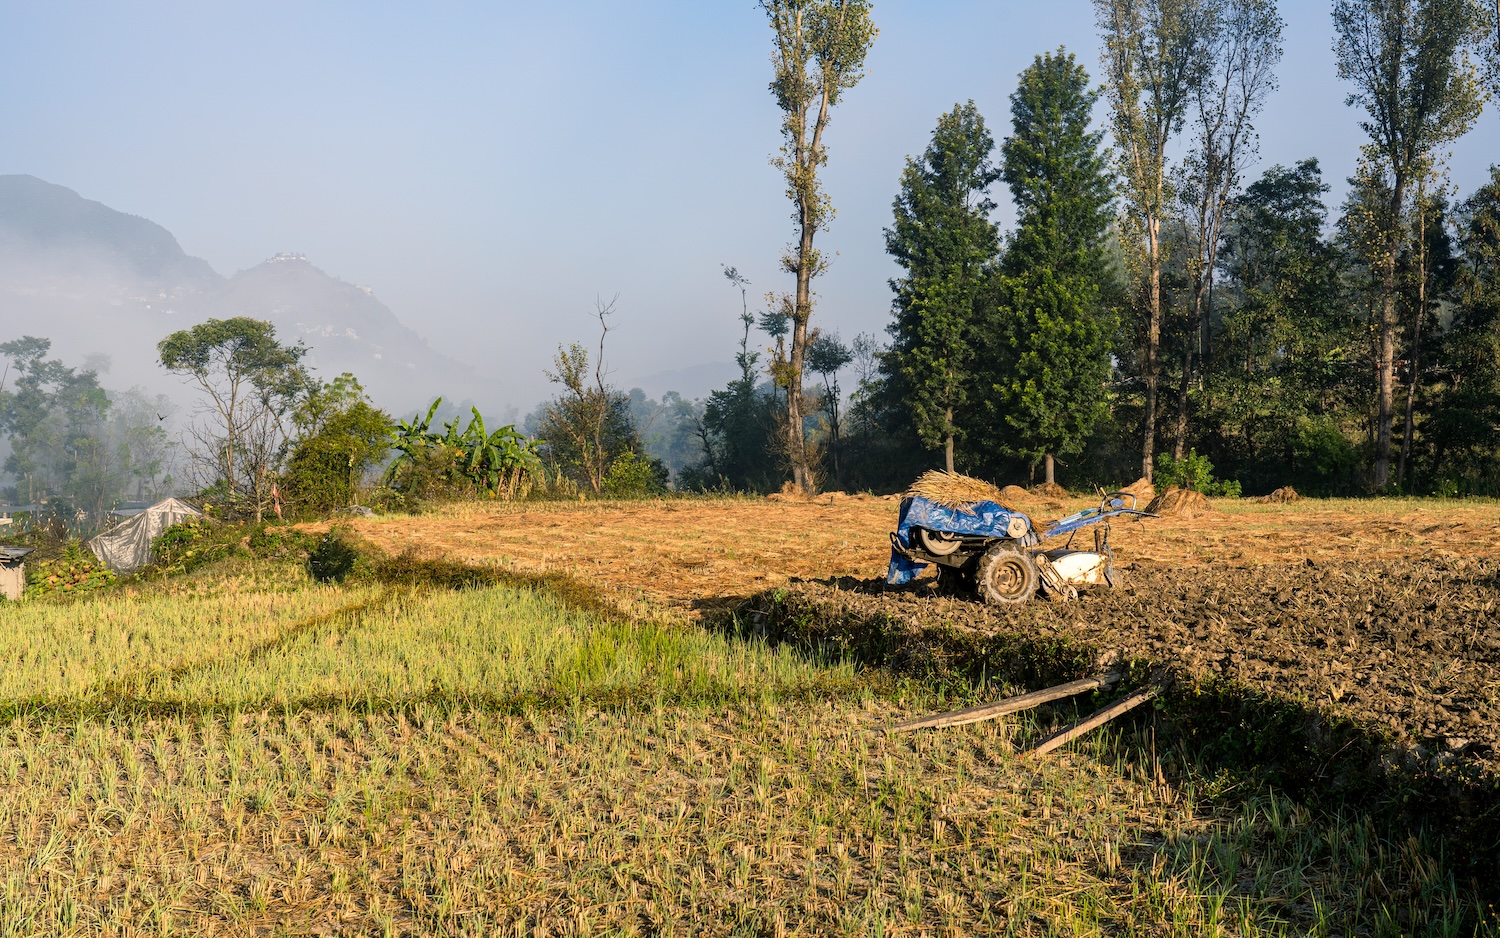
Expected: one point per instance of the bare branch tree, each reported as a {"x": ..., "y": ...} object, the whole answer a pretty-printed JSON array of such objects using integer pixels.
[{"x": 1243, "y": 52}]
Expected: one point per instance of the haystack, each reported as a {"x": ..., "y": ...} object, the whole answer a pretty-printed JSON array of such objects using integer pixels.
[
  {"x": 1049, "y": 490},
  {"x": 1014, "y": 494},
  {"x": 1142, "y": 489},
  {"x": 1281, "y": 496},
  {"x": 1180, "y": 503},
  {"x": 952, "y": 490}
]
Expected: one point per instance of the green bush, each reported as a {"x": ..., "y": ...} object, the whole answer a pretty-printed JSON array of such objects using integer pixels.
[
  {"x": 1323, "y": 452},
  {"x": 342, "y": 435},
  {"x": 187, "y": 546},
  {"x": 1193, "y": 472},
  {"x": 332, "y": 559},
  {"x": 632, "y": 475},
  {"x": 278, "y": 542}
]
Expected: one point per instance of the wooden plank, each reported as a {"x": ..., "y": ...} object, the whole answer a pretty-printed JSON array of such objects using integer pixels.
[
  {"x": 1000, "y": 708},
  {"x": 1098, "y": 718}
]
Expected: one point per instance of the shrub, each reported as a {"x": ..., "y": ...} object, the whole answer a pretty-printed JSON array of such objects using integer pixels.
[
  {"x": 632, "y": 475},
  {"x": 332, "y": 559},
  {"x": 1193, "y": 472},
  {"x": 278, "y": 542},
  {"x": 187, "y": 546},
  {"x": 342, "y": 436}
]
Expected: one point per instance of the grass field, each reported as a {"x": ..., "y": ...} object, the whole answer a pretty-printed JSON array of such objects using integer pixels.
[{"x": 275, "y": 757}]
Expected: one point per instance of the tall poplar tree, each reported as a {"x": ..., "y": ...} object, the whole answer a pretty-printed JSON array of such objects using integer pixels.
[
  {"x": 819, "y": 53},
  {"x": 1055, "y": 322},
  {"x": 1154, "y": 57},
  {"x": 944, "y": 241},
  {"x": 1244, "y": 47},
  {"x": 1408, "y": 64}
]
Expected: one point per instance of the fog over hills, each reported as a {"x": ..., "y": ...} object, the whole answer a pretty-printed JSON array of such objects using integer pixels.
[{"x": 99, "y": 282}]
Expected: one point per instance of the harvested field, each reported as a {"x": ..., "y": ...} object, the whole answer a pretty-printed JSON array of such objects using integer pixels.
[
  {"x": 1380, "y": 614},
  {"x": 691, "y": 555},
  {"x": 1409, "y": 649}
]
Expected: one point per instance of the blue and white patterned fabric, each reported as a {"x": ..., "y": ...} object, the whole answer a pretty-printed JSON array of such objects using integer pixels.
[{"x": 980, "y": 519}]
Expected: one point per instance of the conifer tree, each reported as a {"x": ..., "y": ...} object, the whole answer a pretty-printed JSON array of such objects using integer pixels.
[
  {"x": 1055, "y": 322},
  {"x": 944, "y": 241}
]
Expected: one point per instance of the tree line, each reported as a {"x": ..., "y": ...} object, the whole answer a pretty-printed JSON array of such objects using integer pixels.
[
  {"x": 1156, "y": 307},
  {"x": 1155, "y": 301}
]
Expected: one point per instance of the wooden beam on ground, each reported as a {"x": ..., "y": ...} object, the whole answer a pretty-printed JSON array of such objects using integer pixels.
[
  {"x": 1000, "y": 708},
  {"x": 1098, "y": 718}
]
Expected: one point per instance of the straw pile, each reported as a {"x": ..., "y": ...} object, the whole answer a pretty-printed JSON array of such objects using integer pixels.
[
  {"x": 952, "y": 490},
  {"x": 1282, "y": 496},
  {"x": 1180, "y": 503},
  {"x": 1012, "y": 494},
  {"x": 1142, "y": 489},
  {"x": 1049, "y": 490}
]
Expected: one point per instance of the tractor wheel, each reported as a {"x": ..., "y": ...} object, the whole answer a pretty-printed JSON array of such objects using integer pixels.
[
  {"x": 956, "y": 580},
  {"x": 937, "y": 543},
  {"x": 1005, "y": 576}
]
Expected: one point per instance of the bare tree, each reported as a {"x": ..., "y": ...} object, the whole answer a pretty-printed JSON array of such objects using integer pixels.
[
  {"x": 1243, "y": 50},
  {"x": 587, "y": 426},
  {"x": 819, "y": 53},
  {"x": 1154, "y": 56}
]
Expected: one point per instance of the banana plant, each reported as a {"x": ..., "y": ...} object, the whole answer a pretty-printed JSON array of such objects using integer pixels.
[
  {"x": 496, "y": 461},
  {"x": 410, "y": 439}
]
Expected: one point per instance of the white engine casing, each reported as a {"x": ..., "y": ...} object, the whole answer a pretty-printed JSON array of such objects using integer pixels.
[{"x": 1079, "y": 567}]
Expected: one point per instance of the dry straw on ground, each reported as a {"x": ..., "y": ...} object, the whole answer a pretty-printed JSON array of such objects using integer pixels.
[
  {"x": 1281, "y": 496},
  {"x": 1180, "y": 503},
  {"x": 1049, "y": 490}
]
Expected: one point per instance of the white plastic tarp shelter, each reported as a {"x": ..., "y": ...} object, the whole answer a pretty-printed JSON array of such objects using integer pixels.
[{"x": 126, "y": 547}]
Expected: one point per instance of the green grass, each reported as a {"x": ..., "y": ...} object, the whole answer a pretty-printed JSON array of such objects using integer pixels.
[
  {"x": 59, "y": 650},
  {"x": 410, "y": 760}
]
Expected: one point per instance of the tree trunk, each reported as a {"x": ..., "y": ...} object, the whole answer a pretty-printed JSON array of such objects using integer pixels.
[
  {"x": 1048, "y": 465},
  {"x": 1386, "y": 365},
  {"x": 1179, "y": 441},
  {"x": 1153, "y": 345},
  {"x": 796, "y": 443},
  {"x": 1413, "y": 383},
  {"x": 948, "y": 443}
]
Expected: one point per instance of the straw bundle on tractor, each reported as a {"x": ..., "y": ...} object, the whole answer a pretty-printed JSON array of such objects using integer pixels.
[{"x": 952, "y": 490}]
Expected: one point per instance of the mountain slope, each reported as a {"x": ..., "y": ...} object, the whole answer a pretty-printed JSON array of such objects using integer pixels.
[{"x": 105, "y": 287}]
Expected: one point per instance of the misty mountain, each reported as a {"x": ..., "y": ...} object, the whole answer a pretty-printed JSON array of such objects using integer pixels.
[
  {"x": 38, "y": 219},
  {"x": 105, "y": 287},
  {"x": 346, "y": 327}
]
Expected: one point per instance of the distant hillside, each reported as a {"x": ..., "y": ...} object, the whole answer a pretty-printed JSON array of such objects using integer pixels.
[
  {"x": 347, "y": 328},
  {"x": 38, "y": 217},
  {"x": 101, "y": 282}
]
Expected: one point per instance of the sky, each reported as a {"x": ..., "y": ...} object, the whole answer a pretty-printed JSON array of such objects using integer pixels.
[{"x": 493, "y": 169}]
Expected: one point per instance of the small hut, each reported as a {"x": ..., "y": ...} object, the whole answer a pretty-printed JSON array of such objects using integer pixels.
[
  {"x": 126, "y": 547},
  {"x": 13, "y": 571}
]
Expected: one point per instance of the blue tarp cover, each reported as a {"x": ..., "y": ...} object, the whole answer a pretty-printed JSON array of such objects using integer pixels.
[{"x": 981, "y": 519}]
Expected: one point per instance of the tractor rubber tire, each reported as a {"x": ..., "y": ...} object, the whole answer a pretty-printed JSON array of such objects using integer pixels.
[
  {"x": 937, "y": 543},
  {"x": 955, "y": 580},
  {"x": 1006, "y": 576}
]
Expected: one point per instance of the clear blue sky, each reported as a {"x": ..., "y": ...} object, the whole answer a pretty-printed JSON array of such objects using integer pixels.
[{"x": 488, "y": 168}]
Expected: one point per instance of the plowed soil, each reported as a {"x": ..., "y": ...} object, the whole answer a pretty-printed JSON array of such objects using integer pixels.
[{"x": 1387, "y": 612}]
